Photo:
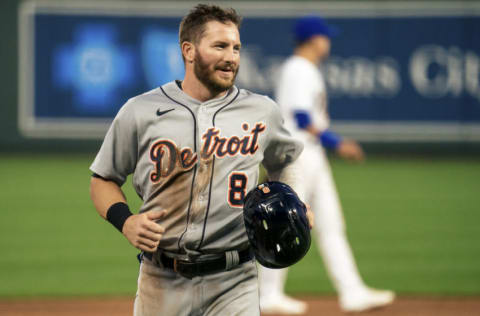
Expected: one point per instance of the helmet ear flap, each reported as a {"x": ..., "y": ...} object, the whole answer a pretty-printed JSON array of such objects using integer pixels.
[{"x": 276, "y": 224}]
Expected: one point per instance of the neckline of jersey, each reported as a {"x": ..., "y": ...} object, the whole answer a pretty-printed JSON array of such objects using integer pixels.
[{"x": 174, "y": 89}]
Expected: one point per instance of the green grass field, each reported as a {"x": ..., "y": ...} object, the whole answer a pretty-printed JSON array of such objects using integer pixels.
[{"x": 413, "y": 224}]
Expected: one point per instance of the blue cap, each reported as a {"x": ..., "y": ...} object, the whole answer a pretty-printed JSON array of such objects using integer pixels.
[{"x": 310, "y": 25}]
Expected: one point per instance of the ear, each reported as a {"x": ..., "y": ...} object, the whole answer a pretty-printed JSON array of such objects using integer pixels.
[{"x": 188, "y": 51}]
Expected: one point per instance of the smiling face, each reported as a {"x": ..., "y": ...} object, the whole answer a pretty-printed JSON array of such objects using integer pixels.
[{"x": 216, "y": 57}]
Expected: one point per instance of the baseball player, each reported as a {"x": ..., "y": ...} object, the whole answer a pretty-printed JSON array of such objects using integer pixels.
[
  {"x": 194, "y": 147},
  {"x": 301, "y": 95}
]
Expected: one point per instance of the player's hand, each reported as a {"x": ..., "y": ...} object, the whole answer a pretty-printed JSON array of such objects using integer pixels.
[
  {"x": 310, "y": 216},
  {"x": 350, "y": 150},
  {"x": 142, "y": 230}
]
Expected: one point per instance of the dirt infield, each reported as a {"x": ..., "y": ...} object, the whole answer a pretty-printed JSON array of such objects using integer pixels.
[{"x": 403, "y": 306}]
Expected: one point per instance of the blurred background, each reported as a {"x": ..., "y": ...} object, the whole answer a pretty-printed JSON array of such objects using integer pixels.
[{"x": 403, "y": 79}]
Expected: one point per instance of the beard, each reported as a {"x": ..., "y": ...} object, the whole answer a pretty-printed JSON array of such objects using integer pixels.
[{"x": 207, "y": 76}]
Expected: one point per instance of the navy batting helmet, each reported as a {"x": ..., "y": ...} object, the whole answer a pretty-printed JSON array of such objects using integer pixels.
[{"x": 276, "y": 224}]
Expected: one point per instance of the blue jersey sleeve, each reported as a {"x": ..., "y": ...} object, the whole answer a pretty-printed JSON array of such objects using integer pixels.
[{"x": 302, "y": 118}]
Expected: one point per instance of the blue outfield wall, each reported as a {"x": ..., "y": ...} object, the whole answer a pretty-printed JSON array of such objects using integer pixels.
[{"x": 396, "y": 73}]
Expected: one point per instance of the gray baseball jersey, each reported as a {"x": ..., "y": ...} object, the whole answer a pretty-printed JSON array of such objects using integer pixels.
[{"x": 196, "y": 160}]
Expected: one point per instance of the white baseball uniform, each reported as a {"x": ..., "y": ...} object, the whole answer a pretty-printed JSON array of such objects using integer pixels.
[{"x": 301, "y": 87}]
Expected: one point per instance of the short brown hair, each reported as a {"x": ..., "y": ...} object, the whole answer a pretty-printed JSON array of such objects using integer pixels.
[{"x": 193, "y": 24}]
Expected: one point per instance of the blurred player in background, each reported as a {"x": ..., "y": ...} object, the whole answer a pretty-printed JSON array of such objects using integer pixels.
[{"x": 300, "y": 92}]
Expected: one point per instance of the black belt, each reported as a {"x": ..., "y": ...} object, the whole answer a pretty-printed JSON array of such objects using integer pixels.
[{"x": 191, "y": 269}]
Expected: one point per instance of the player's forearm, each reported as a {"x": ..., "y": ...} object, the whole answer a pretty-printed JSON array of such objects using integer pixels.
[
  {"x": 312, "y": 130},
  {"x": 304, "y": 122},
  {"x": 104, "y": 194}
]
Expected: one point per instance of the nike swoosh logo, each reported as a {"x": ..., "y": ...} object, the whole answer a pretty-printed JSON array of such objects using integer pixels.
[{"x": 159, "y": 113}]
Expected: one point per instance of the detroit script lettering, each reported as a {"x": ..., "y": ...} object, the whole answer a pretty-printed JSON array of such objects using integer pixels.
[{"x": 165, "y": 151}]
